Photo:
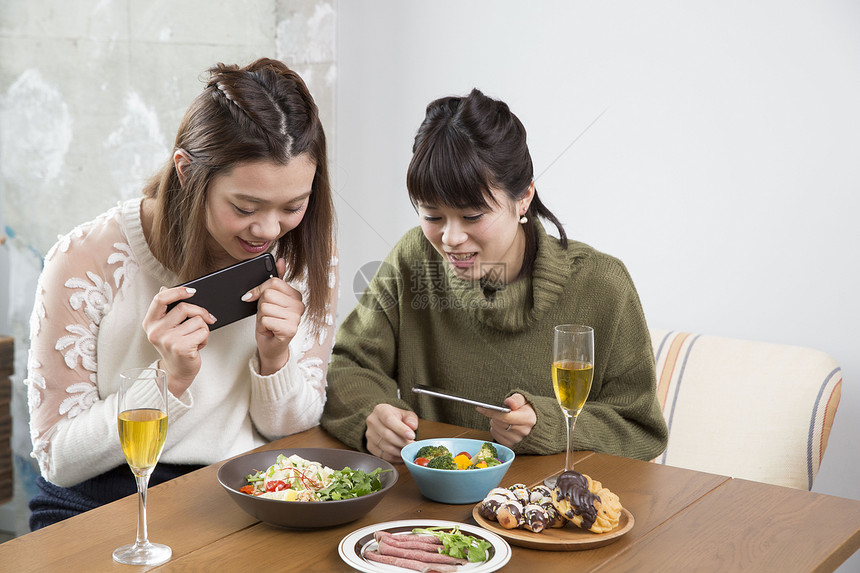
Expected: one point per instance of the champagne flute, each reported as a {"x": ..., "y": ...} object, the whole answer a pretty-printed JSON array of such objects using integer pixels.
[
  {"x": 572, "y": 374},
  {"x": 142, "y": 422}
]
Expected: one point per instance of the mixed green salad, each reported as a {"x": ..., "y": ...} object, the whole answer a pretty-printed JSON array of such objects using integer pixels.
[
  {"x": 294, "y": 478},
  {"x": 439, "y": 457}
]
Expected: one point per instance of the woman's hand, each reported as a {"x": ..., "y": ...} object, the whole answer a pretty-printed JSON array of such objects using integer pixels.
[
  {"x": 509, "y": 428},
  {"x": 279, "y": 311},
  {"x": 389, "y": 429},
  {"x": 178, "y": 335}
]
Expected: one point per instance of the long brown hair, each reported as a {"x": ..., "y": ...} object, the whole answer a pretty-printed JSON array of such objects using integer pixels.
[
  {"x": 263, "y": 111},
  {"x": 465, "y": 146}
]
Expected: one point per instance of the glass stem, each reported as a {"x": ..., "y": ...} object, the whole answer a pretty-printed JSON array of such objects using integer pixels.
[
  {"x": 568, "y": 458},
  {"x": 142, "y": 483}
]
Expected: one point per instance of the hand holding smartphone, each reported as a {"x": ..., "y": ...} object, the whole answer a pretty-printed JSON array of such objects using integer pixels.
[
  {"x": 221, "y": 292},
  {"x": 446, "y": 395}
]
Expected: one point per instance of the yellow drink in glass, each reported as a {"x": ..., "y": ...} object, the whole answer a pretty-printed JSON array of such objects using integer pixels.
[
  {"x": 141, "y": 435},
  {"x": 571, "y": 381}
]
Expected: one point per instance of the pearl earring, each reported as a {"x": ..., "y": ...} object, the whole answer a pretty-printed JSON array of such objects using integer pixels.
[{"x": 524, "y": 220}]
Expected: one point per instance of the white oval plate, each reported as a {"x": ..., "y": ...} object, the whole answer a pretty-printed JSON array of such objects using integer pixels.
[{"x": 352, "y": 547}]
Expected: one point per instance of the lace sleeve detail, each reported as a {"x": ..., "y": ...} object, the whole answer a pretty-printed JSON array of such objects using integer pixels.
[
  {"x": 81, "y": 276},
  {"x": 292, "y": 400}
]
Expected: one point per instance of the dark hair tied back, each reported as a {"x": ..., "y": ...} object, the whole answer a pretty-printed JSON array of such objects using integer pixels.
[{"x": 464, "y": 147}]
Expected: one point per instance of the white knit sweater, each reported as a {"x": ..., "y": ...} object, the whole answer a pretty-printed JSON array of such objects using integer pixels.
[{"x": 96, "y": 286}]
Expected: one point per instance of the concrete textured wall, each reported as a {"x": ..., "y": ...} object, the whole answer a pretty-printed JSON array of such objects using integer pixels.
[{"x": 91, "y": 95}]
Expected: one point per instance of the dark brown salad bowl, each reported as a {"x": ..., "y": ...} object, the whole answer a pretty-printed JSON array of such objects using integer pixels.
[{"x": 305, "y": 514}]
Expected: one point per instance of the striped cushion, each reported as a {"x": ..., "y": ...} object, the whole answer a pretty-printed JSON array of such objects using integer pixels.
[{"x": 745, "y": 409}]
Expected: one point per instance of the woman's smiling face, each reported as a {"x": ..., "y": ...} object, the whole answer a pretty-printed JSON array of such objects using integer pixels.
[
  {"x": 254, "y": 205},
  {"x": 477, "y": 242}
]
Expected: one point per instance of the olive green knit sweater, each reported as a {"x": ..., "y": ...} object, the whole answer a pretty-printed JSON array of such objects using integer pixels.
[{"x": 417, "y": 323}]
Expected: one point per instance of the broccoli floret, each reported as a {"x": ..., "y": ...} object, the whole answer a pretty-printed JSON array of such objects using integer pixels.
[
  {"x": 443, "y": 462},
  {"x": 431, "y": 452},
  {"x": 487, "y": 451}
]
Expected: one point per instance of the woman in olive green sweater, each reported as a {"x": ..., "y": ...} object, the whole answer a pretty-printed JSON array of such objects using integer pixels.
[{"x": 468, "y": 303}]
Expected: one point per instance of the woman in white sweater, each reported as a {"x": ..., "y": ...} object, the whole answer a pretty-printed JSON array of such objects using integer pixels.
[{"x": 248, "y": 175}]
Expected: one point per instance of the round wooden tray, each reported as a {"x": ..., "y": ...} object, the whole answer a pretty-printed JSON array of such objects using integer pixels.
[{"x": 567, "y": 538}]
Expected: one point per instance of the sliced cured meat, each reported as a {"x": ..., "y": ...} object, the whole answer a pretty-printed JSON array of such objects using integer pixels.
[
  {"x": 410, "y": 541},
  {"x": 413, "y": 564},
  {"x": 418, "y": 555}
]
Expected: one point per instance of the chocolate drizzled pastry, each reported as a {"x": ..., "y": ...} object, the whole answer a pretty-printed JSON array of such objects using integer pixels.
[
  {"x": 576, "y": 499},
  {"x": 585, "y": 502},
  {"x": 491, "y": 504},
  {"x": 572, "y": 487},
  {"x": 510, "y": 514},
  {"x": 535, "y": 518}
]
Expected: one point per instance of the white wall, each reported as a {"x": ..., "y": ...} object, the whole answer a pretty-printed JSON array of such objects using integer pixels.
[{"x": 723, "y": 169}]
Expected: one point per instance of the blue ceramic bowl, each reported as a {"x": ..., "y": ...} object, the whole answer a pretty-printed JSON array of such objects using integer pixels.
[{"x": 456, "y": 486}]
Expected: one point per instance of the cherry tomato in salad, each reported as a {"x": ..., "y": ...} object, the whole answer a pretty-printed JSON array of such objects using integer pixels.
[
  {"x": 249, "y": 489},
  {"x": 464, "y": 454},
  {"x": 277, "y": 485},
  {"x": 422, "y": 461}
]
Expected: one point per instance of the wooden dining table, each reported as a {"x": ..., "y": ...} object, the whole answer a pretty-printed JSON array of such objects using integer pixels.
[{"x": 684, "y": 520}]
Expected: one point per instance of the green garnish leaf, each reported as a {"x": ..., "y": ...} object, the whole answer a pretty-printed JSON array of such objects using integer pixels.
[{"x": 458, "y": 544}]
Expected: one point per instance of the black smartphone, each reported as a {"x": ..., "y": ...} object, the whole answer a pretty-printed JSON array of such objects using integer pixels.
[
  {"x": 446, "y": 395},
  {"x": 221, "y": 292}
]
